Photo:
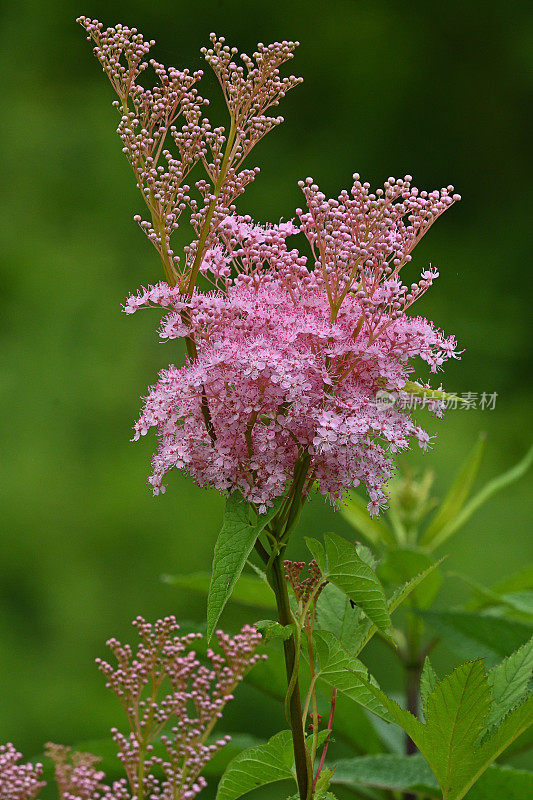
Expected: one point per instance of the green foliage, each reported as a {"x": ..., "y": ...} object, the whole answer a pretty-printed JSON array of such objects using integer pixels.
[
  {"x": 457, "y": 494},
  {"x": 473, "y": 635},
  {"x": 234, "y": 544},
  {"x": 249, "y": 590},
  {"x": 401, "y": 566},
  {"x": 428, "y": 680},
  {"x": 270, "y": 629},
  {"x": 454, "y": 738},
  {"x": 353, "y": 576},
  {"x": 336, "y": 615},
  {"x": 339, "y": 669},
  {"x": 412, "y": 774},
  {"x": 509, "y": 681},
  {"x": 258, "y": 766},
  {"x": 316, "y": 549},
  {"x": 452, "y": 523}
]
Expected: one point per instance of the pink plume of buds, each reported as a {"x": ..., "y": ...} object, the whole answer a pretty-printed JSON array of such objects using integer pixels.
[
  {"x": 18, "y": 781},
  {"x": 168, "y": 694},
  {"x": 165, "y": 134}
]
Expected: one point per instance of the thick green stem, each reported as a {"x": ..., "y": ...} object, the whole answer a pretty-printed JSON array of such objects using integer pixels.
[{"x": 301, "y": 756}]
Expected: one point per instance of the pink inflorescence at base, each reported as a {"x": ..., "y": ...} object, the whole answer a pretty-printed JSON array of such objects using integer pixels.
[
  {"x": 292, "y": 352},
  {"x": 18, "y": 781}
]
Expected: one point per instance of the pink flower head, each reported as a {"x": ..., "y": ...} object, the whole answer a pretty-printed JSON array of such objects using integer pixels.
[
  {"x": 18, "y": 781},
  {"x": 289, "y": 365}
]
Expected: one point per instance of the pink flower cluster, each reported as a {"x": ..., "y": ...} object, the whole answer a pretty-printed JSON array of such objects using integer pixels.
[
  {"x": 168, "y": 694},
  {"x": 170, "y": 697},
  {"x": 166, "y": 135},
  {"x": 290, "y": 359},
  {"x": 18, "y": 781}
]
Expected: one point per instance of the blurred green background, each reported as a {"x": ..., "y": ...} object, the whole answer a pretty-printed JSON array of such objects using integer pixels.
[{"x": 437, "y": 90}]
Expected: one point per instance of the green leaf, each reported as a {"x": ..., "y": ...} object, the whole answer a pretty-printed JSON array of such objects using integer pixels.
[
  {"x": 471, "y": 635},
  {"x": 239, "y": 742},
  {"x": 249, "y": 590},
  {"x": 402, "y": 593},
  {"x": 509, "y": 682},
  {"x": 412, "y": 774},
  {"x": 258, "y": 766},
  {"x": 374, "y": 529},
  {"x": 502, "y": 783},
  {"x": 457, "y": 494},
  {"x": 336, "y": 614},
  {"x": 428, "y": 681},
  {"x": 457, "y": 710},
  {"x": 338, "y": 668},
  {"x": 514, "y": 724},
  {"x": 481, "y": 497},
  {"x": 517, "y": 583},
  {"x": 234, "y": 544},
  {"x": 366, "y": 554},
  {"x": 356, "y": 579},
  {"x": 398, "y": 597},
  {"x": 270, "y": 629},
  {"x": 400, "y": 566},
  {"x": 317, "y": 551},
  {"x": 387, "y": 771}
]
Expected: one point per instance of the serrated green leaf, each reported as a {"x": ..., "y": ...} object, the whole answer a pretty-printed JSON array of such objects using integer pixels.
[
  {"x": 450, "y": 740},
  {"x": 412, "y": 774},
  {"x": 428, "y": 681},
  {"x": 457, "y": 494},
  {"x": 338, "y": 668},
  {"x": 270, "y": 629},
  {"x": 472, "y": 635},
  {"x": 374, "y": 529},
  {"x": 357, "y": 580},
  {"x": 234, "y": 544},
  {"x": 403, "y": 592},
  {"x": 455, "y": 713},
  {"x": 513, "y": 725},
  {"x": 493, "y": 486},
  {"x": 317, "y": 551},
  {"x": 258, "y": 766},
  {"x": 400, "y": 566},
  {"x": 249, "y": 590},
  {"x": 509, "y": 681}
]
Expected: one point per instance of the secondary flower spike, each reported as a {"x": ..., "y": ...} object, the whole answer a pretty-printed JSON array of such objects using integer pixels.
[
  {"x": 291, "y": 356},
  {"x": 166, "y": 136}
]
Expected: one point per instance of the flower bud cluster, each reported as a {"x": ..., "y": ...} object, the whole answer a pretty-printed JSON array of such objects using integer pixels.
[
  {"x": 304, "y": 588},
  {"x": 169, "y": 694},
  {"x": 362, "y": 239},
  {"x": 18, "y": 781},
  {"x": 165, "y": 134}
]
